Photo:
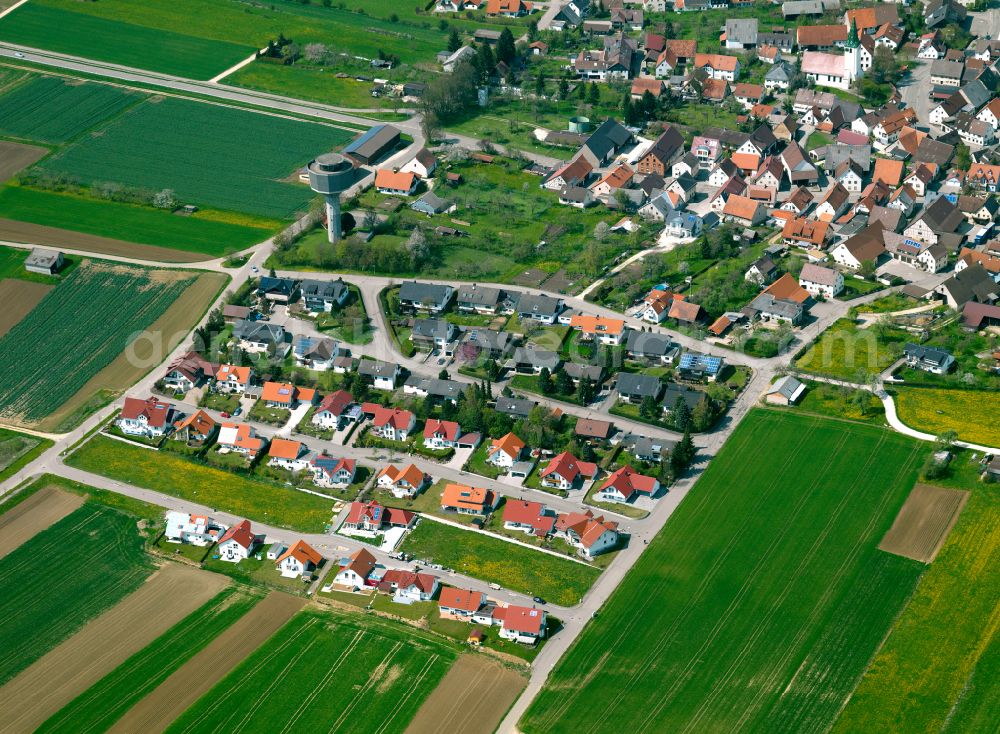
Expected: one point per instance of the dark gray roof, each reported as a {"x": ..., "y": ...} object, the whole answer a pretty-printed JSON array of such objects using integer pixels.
[
  {"x": 542, "y": 305},
  {"x": 610, "y": 136},
  {"x": 413, "y": 292},
  {"x": 434, "y": 329},
  {"x": 638, "y": 385},
  {"x": 926, "y": 354},
  {"x": 942, "y": 216},
  {"x": 972, "y": 284},
  {"x": 649, "y": 343},
  {"x": 674, "y": 391},
  {"x": 643, "y": 446},
  {"x": 578, "y": 371},
  {"x": 376, "y": 368},
  {"x": 333, "y": 289},
  {"x": 489, "y": 339},
  {"x": 259, "y": 331},
  {"x": 514, "y": 406},
  {"x": 280, "y": 286},
  {"x": 477, "y": 295},
  {"x": 372, "y": 141},
  {"x": 431, "y": 203},
  {"x": 536, "y": 357}
]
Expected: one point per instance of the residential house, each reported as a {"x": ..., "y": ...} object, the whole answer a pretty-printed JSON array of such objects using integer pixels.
[
  {"x": 333, "y": 411},
  {"x": 833, "y": 204},
  {"x": 355, "y": 569},
  {"x": 422, "y": 164},
  {"x": 286, "y": 395},
  {"x": 626, "y": 484},
  {"x": 593, "y": 430},
  {"x": 383, "y": 375},
  {"x": 429, "y": 333},
  {"x": 439, "y": 434},
  {"x": 940, "y": 218},
  {"x": 634, "y": 388},
  {"x": 260, "y": 337},
  {"x": 408, "y": 587},
  {"x": 761, "y": 271},
  {"x": 564, "y": 472},
  {"x": 532, "y": 518},
  {"x": 540, "y": 308},
  {"x": 718, "y": 66},
  {"x": 460, "y": 604},
  {"x": 522, "y": 624},
  {"x": 151, "y": 418},
  {"x": 574, "y": 173},
  {"x": 667, "y": 148},
  {"x": 286, "y": 454},
  {"x": 315, "y": 353},
  {"x": 576, "y": 196},
  {"x": 329, "y": 471},
  {"x": 300, "y": 560},
  {"x": 425, "y": 296},
  {"x": 648, "y": 345},
  {"x": 241, "y": 439},
  {"x": 821, "y": 281},
  {"x": 237, "y": 543},
  {"x": 506, "y": 451},
  {"x": 474, "y": 298},
  {"x": 278, "y": 290},
  {"x": 319, "y": 296},
  {"x": 805, "y": 233},
  {"x": 187, "y": 372},
  {"x": 591, "y": 535},
  {"x": 916, "y": 254},
  {"x": 928, "y": 359},
  {"x": 196, "y": 428},
  {"x": 514, "y": 407},
  {"x": 467, "y": 500},
  {"x": 744, "y": 211},
  {"x": 404, "y": 483},
  {"x": 600, "y": 329},
  {"x": 973, "y": 283},
  {"x": 199, "y": 530},
  {"x": 531, "y": 361},
  {"x": 370, "y": 518},
  {"x": 867, "y": 246},
  {"x": 231, "y": 378},
  {"x": 395, "y": 183},
  {"x": 392, "y": 424},
  {"x": 698, "y": 366}
]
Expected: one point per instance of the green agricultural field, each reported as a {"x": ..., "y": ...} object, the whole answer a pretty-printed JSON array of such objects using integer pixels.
[
  {"x": 213, "y": 156},
  {"x": 326, "y": 672},
  {"x": 58, "y": 26},
  {"x": 63, "y": 577},
  {"x": 170, "y": 474},
  {"x": 319, "y": 84},
  {"x": 939, "y": 670},
  {"x": 99, "y": 310},
  {"x": 17, "y": 450},
  {"x": 131, "y": 223},
  {"x": 27, "y": 110},
  {"x": 558, "y": 580},
  {"x": 760, "y": 604},
  {"x": 846, "y": 352},
  {"x": 107, "y": 700}
]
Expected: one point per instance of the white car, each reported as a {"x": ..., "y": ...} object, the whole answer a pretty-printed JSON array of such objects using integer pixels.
[{"x": 19, "y": 55}]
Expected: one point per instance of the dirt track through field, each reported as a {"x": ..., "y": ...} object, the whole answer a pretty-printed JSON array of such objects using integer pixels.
[
  {"x": 169, "y": 595},
  {"x": 191, "y": 681},
  {"x": 472, "y": 698},
  {"x": 15, "y": 156},
  {"x": 17, "y": 298},
  {"x": 45, "y": 507},
  {"x": 923, "y": 522},
  {"x": 27, "y": 233}
]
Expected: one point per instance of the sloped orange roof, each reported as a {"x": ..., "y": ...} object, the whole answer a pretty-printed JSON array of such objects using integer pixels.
[
  {"x": 740, "y": 206},
  {"x": 231, "y": 371},
  {"x": 396, "y": 180},
  {"x": 510, "y": 444},
  {"x": 282, "y": 448},
  {"x": 302, "y": 552},
  {"x": 199, "y": 422},
  {"x": 888, "y": 171},
  {"x": 466, "y": 497},
  {"x": 596, "y": 324},
  {"x": 410, "y": 473},
  {"x": 716, "y": 61},
  {"x": 278, "y": 392},
  {"x": 746, "y": 161},
  {"x": 787, "y": 288}
]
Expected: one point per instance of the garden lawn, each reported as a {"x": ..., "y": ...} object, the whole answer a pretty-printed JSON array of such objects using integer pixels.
[
  {"x": 107, "y": 700},
  {"x": 26, "y": 110},
  {"x": 846, "y": 352},
  {"x": 212, "y": 156},
  {"x": 64, "y": 576},
  {"x": 560, "y": 581},
  {"x": 198, "y": 233},
  {"x": 326, "y": 672},
  {"x": 100, "y": 310},
  {"x": 178, "y": 477},
  {"x": 823, "y": 398},
  {"x": 17, "y": 450},
  {"x": 938, "y": 670},
  {"x": 760, "y": 604},
  {"x": 315, "y": 83},
  {"x": 56, "y": 26},
  {"x": 973, "y": 414}
]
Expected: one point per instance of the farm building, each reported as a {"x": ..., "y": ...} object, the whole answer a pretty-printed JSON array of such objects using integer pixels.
[
  {"x": 373, "y": 145},
  {"x": 45, "y": 262}
]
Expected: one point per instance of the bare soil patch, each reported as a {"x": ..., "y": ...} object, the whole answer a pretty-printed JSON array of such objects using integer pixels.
[
  {"x": 472, "y": 698},
  {"x": 923, "y": 522},
  {"x": 17, "y": 298},
  {"x": 167, "y": 332},
  {"x": 191, "y": 681},
  {"x": 25, "y": 520},
  {"x": 17, "y": 156},
  {"x": 169, "y": 595},
  {"x": 38, "y": 234}
]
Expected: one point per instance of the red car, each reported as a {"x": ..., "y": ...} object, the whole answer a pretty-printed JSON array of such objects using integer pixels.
[{"x": 225, "y": 415}]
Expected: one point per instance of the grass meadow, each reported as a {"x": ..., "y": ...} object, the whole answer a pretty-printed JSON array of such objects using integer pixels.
[
  {"x": 848, "y": 353},
  {"x": 972, "y": 414},
  {"x": 558, "y": 580},
  {"x": 79, "y": 328},
  {"x": 326, "y": 672},
  {"x": 17, "y": 450},
  {"x": 107, "y": 700},
  {"x": 939, "y": 670},
  {"x": 212, "y": 156},
  {"x": 63, "y": 577},
  {"x": 66, "y": 27},
  {"x": 144, "y": 225},
  {"x": 761, "y": 602},
  {"x": 170, "y": 474},
  {"x": 27, "y": 110}
]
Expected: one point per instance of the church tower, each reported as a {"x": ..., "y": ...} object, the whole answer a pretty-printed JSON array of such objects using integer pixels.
[{"x": 852, "y": 54}]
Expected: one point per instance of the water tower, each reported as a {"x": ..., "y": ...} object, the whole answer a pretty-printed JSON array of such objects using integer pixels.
[{"x": 330, "y": 175}]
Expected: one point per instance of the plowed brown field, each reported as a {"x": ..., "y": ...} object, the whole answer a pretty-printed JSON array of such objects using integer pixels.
[
  {"x": 923, "y": 522},
  {"x": 15, "y": 156},
  {"x": 17, "y": 298},
  {"x": 24, "y": 521},
  {"x": 169, "y": 595},
  {"x": 472, "y": 698},
  {"x": 188, "y": 683}
]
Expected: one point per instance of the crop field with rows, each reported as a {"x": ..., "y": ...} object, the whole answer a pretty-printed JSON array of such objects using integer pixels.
[
  {"x": 211, "y": 156},
  {"x": 62, "y": 577},
  {"x": 76, "y": 331},
  {"x": 29, "y": 110}
]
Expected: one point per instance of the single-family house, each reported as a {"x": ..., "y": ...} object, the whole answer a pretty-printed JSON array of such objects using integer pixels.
[
  {"x": 404, "y": 483},
  {"x": 626, "y": 484},
  {"x": 286, "y": 454},
  {"x": 821, "y": 281},
  {"x": 355, "y": 569},
  {"x": 467, "y": 500},
  {"x": 300, "y": 560},
  {"x": 240, "y": 438},
  {"x": 199, "y": 530},
  {"x": 383, "y": 375},
  {"x": 564, "y": 472},
  {"x": 506, "y": 451},
  {"x": 231, "y": 378},
  {"x": 151, "y": 417},
  {"x": 392, "y": 424},
  {"x": 928, "y": 359},
  {"x": 331, "y": 472},
  {"x": 237, "y": 543}
]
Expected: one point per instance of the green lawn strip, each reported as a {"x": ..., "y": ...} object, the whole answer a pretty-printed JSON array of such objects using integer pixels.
[
  {"x": 110, "y": 698},
  {"x": 515, "y": 567},
  {"x": 256, "y": 573},
  {"x": 834, "y": 401},
  {"x": 313, "y": 83},
  {"x": 100, "y": 559},
  {"x": 129, "y": 44},
  {"x": 337, "y": 672},
  {"x": 767, "y": 577},
  {"x": 18, "y": 450},
  {"x": 185, "y": 146},
  {"x": 12, "y": 266},
  {"x": 529, "y": 383},
  {"x": 937, "y": 671},
  {"x": 129, "y": 222},
  {"x": 178, "y": 477}
]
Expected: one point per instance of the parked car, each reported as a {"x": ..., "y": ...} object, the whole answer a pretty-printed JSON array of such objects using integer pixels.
[
  {"x": 238, "y": 411},
  {"x": 537, "y": 600},
  {"x": 224, "y": 414}
]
